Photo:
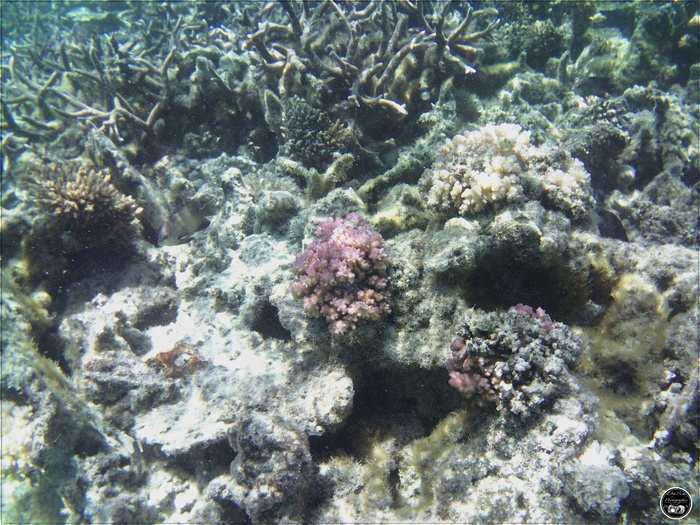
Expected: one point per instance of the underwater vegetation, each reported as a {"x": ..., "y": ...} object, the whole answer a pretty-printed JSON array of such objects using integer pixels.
[{"x": 361, "y": 261}]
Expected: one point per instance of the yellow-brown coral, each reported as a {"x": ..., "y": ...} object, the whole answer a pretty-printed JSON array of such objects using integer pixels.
[{"x": 84, "y": 203}]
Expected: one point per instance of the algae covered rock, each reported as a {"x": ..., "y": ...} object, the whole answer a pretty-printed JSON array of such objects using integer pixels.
[{"x": 272, "y": 467}]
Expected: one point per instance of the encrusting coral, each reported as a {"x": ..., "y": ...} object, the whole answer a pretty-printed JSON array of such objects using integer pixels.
[{"x": 342, "y": 276}]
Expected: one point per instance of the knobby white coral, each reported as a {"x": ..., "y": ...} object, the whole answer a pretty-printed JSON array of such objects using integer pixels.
[
  {"x": 477, "y": 169},
  {"x": 495, "y": 163},
  {"x": 568, "y": 186}
]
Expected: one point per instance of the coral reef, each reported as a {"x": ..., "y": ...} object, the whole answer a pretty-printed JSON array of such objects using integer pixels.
[
  {"x": 378, "y": 65},
  {"x": 378, "y": 58},
  {"x": 342, "y": 275},
  {"x": 278, "y": 365}
]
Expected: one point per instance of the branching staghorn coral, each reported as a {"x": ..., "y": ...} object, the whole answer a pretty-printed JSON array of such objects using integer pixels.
[
  {"x": 196, "y": 74},
  {"x": 124, "y": 79},
  {"x": 108, "y": 70},
  {"x": 375, "y": 52}
]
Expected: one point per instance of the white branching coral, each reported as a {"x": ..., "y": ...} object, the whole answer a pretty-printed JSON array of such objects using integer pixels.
[
  {"x": 498, "y": 163},
  {"x": 477, "y": 169},
  {"x": 567, "y": 187}
]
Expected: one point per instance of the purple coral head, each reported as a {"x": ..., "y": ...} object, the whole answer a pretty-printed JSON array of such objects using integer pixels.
[
  {"x": 546, "y": 322},
  {"x": 474, "y": 377},
  {"x": 342, "y": 275}
]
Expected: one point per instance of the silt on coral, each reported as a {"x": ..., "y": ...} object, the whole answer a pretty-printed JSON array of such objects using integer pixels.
[{"x": 342, "y": 276}]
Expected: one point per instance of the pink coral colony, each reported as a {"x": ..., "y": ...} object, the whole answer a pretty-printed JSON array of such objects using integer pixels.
[
  {"x": 342, "y": 275},
  {"x": 475, "y": 377},
  {"x": 539, "y": 314}
]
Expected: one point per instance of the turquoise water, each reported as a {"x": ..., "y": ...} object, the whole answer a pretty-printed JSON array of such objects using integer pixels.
[{"x": 349, "y": 261}]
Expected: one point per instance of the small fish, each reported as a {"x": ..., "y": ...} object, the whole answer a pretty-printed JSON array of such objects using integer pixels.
[
  {"x": 593, "y": 85},
  {"x": 610, "y": 225},
  {"x": 185, "y": 222}
]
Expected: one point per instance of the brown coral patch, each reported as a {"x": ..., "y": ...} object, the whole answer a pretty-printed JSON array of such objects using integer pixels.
[
  {"x": 83, "y": 202},
  {"x": 182, "y": 360}
]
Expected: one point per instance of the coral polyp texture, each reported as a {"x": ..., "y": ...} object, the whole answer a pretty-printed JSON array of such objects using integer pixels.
[
  {"x": 495, "y": 163},
  {"x": 85, "y": 203},
  {"x": 342, "y": 275}
]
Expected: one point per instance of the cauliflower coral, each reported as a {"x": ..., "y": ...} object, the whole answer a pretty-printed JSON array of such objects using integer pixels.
[
  {"x": 497, "y": 163},
  {"x": 477, "y": 169},
  {"x": 342, "y": 275}
]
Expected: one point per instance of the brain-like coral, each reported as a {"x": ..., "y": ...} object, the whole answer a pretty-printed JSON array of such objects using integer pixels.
[
  {"x": 342, "y": 276},
  {"x": 497, "y": 163}
]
